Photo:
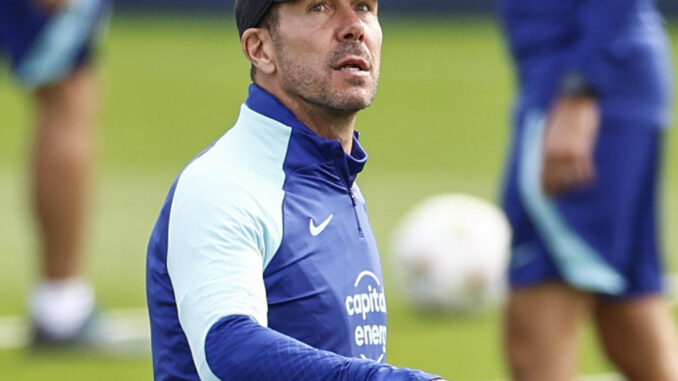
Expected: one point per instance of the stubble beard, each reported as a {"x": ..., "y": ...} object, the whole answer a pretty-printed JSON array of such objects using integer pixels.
[{"x": 313, "y": 86}]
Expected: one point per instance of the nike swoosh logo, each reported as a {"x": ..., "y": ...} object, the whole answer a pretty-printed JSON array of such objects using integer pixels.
[{"x": 315, "y": 230}]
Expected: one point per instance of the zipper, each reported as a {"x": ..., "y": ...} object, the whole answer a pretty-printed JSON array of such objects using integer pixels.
[
  {"x": 340, "y": 163},
  {"x": 355, "y": 213}
]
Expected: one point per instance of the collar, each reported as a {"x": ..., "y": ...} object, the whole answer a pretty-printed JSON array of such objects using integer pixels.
[{"x": 303, "y": 138}]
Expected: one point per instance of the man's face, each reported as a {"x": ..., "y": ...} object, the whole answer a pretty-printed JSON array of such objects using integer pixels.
[{"x": 328, "y": 52}]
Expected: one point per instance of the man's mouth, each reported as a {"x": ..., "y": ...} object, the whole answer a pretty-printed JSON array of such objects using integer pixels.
[{"x": 352, "y": 64}]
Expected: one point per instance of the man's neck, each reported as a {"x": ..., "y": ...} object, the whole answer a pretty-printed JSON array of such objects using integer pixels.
[{"x": 327, "y": 123}]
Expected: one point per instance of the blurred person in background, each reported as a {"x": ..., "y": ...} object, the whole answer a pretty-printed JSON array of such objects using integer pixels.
[
  {"x": 50, "y": 44},
  {"x": 581, "y": 190},
  {"x": 262, "y": 264}
]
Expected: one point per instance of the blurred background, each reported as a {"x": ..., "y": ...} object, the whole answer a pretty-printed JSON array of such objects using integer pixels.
[{"x": 174, "y": 77}]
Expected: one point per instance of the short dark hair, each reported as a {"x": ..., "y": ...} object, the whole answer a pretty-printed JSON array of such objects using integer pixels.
[{"x": 270, "y": 22}]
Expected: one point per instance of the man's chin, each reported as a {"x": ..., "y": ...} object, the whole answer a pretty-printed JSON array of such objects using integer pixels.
[
  {"x": 356, "y": 98},
  {"x": 352, "y": 105}
]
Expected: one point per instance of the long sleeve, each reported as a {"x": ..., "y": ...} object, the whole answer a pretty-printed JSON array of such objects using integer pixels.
[
  {"x": 237, "y": 348},
  {"x": 600, "y": 23}
]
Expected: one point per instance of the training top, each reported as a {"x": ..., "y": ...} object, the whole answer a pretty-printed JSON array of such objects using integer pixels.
[
  {"x": 263, "y": 265},
  {"x": 618, "y": 46}
]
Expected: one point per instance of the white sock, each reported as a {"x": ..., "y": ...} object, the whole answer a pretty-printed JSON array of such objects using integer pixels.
[{"x": 61, "y": 307}]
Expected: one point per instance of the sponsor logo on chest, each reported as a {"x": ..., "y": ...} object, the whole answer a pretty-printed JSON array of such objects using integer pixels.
[{"x": 367, "y": 301}]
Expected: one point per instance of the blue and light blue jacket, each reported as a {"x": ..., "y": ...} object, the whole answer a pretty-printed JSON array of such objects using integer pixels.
[
  {"x": 263, "y": 265},
  {"x": 618, "y": 46}
]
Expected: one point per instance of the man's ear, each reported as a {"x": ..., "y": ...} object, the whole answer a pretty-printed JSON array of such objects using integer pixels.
[{"x": 258, "y": 48}]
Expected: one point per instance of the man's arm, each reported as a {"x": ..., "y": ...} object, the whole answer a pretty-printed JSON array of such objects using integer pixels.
[
  {"x": 600, "y": 25},
  {"x": 240, "y": 349},
  {"x": 574, "y": 119}
]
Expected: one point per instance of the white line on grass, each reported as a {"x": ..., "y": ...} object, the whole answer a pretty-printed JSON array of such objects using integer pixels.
[
  {"x": 13, "y": 332},
  {"x": 671, "y": 281},
  {"x": 115, "y": 328},
  {"x": 596, "y": 377},
  {"x": 131, "y": 325}
]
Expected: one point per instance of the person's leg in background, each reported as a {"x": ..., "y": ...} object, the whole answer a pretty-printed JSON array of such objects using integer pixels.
[
  {"x": 51, "y": 44},
  {"x": 61, "y": 189},
  {"x": 541, "y": 326},
  {"x": 639, "y": 337},
  {"x": 637, "y": 331}
]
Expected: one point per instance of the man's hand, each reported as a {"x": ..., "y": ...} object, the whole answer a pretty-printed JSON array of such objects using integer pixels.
[
  {"x": 569, "y": 141},
  {"x": 51, "y": 5}
]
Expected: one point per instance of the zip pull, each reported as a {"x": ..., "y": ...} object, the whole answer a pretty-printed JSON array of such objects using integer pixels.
[{"x": 355, "y": 212}]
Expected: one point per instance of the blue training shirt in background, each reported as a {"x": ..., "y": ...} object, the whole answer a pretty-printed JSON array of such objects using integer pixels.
[{"x": 619, "y": 46}]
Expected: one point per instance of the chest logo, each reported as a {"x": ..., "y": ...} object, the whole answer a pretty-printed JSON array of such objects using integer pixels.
[{"x": 315, "y": 230}]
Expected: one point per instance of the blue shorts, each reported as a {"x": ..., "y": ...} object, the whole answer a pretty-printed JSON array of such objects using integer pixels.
[
  {"x": 45, "y": 47},
  {"x": 602, "y": 238}
]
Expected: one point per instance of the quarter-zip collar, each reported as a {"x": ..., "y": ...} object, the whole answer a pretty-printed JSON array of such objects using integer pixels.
[{"x": 314, "y": 148}]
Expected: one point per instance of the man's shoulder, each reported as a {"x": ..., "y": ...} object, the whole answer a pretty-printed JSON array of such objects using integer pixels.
[
  {"x": 219, "y": 185},
  {"x": 227, "y": 180}
]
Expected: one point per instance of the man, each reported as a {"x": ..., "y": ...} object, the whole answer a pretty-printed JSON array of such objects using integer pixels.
[
  {"x": 263, "y": 264},
  {"x": 50, "y": 44},
  {"x": 581, "y": 188}
]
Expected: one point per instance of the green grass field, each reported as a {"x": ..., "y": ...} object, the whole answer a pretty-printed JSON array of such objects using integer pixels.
[{"x": 173, "y": 85}]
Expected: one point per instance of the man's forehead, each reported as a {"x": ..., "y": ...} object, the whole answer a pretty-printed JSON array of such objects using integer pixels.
[
  {"x": 327, "y": 1},
  {"x": 249, "y": 13},
  {"x": 302, "y": 4}
]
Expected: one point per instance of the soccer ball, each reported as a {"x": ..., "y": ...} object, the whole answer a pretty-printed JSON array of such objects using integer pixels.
[{"x": 451, "y": 253}]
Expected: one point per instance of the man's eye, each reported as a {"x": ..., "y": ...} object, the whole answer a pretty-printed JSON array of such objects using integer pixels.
[
  {"x": 318, "y": 7},
  {"x": 363, "y": 7}
]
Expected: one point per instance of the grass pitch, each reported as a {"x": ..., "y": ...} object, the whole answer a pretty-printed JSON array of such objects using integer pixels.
[{"x": 173, "y": 85}]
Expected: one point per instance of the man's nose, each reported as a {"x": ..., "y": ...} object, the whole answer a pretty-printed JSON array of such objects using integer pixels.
[{"x": 352, "y": 28}]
